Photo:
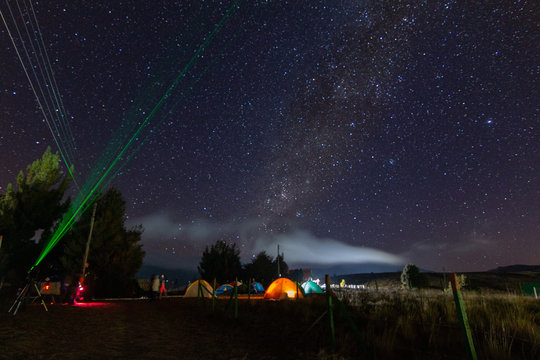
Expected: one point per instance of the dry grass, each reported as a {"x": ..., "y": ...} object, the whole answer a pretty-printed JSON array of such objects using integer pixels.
[
  {"x": 503, "y": 326},
  {"x": 391, "y": 324}
]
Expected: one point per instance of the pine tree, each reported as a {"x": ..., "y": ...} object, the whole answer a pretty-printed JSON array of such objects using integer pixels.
[
  {"x": 221, "y": 262},
  {"x": 29, "y": 212},
  {"x": 412, "y": 277},
  {"x": 262, "y": 269},
  {"x": 115, "y": 253}
]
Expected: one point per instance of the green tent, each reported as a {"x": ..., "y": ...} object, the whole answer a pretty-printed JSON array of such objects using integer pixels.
[{"x": 310, "y": 287}]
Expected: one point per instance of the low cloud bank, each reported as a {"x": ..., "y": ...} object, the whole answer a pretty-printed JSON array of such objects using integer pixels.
[
  {"x": 169, "y": 243},
  {"x": 303, "y": 248}
]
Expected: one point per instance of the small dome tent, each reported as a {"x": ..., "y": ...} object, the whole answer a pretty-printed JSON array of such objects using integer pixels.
[
  {"x": 310, "y": 287},
  {"x": 283, "y": 288},
  {"x": 257, "y": 287},
  {"x": 193, "y": 289},
  {"x": 224, "y": 290}
]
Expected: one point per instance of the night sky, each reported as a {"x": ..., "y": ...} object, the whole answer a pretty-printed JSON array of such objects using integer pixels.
[{"x": 346, "y": 131}]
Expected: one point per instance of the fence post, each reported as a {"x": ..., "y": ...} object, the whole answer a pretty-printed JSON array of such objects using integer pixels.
[
  {"x": 462, "y": 316},
  {"x": 236, "y": 298},
  {"x": 376, "y": 283},
  {"x": 330, "y": 312},
  {"x": 214, "y": 295},
  {"x": 535, "y": 293}
]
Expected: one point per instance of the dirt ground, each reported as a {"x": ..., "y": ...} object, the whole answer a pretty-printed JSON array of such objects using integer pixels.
[{"x": 171, "y": 328}]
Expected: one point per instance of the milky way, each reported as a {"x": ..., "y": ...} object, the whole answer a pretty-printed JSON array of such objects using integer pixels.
[{"x": 406, "y": 130}]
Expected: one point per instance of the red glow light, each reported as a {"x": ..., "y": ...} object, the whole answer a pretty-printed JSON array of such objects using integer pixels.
[{"x": 93, "y": 304}]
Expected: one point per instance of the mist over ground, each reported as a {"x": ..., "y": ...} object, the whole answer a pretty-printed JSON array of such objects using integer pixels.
[{"x": 179, "y": 245}]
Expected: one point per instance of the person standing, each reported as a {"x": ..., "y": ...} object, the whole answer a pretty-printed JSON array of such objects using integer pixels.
[
  {"x": 162, "y": 288},
  {"x": 154, "y": 287}
]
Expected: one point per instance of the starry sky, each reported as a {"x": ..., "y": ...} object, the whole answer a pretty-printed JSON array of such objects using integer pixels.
[{"x": 347, "y": 132}]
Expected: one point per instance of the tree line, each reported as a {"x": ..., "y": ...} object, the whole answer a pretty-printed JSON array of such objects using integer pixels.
[
  {"x": 221, "y": 261},
  {"x": 30, "y": 212}
]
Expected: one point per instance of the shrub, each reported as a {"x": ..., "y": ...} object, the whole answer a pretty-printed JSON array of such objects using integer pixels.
[{"x": 411, "y": 277}]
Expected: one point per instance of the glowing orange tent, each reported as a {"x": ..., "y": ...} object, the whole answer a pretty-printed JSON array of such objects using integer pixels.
[{"x": 283, "y": 288}]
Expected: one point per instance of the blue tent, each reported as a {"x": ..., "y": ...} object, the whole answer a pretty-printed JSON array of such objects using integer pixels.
[
  {"x": 257, "y": 287},
  {"x": 224, "y": 290},
  {"x": 311, "y": 288}
]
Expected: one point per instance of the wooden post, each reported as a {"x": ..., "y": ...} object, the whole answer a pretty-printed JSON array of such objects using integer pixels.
[
  {"x": 330, "y": 312},
  {"x": 278, "y": 270},
  {"x": 87, "y": 249},
  {"x": 249, "y": 289},
  {"x": 462, "y": 316},
  {"x": 214, "y": 296},
  {"x": 445, "y": 283},
  {"x": 236, "y": 298},
  {"x": 376, "y": 283}
]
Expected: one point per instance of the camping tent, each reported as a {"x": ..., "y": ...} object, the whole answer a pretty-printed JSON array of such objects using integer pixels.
[
  {"x": 283, "y": 288},
  {"x": 193, "y": 289},
  {"x": 224, "y": 290},
  {"x": 310, "y": 287},
  {"x": 257, "y": 287}
]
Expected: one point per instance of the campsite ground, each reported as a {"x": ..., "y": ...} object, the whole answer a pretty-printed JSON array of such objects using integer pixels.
[
  {"x": 391, "y": 323},
  {"x": 172, "y": 328}
]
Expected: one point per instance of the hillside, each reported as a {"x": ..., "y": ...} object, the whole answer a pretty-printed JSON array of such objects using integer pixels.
[{"x": 507, "y": 279}]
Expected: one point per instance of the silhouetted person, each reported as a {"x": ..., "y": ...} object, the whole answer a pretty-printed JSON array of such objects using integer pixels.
[
  {"x": 162, "y": 288},
  {"x": 154, "y": 287}
]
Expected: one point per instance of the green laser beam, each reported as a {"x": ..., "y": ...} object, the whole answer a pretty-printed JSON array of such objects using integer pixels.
[
  {"x": 128, "y": 127},
  {"x": 75, "y": 211},
  {"x": 163, "y": 118}
]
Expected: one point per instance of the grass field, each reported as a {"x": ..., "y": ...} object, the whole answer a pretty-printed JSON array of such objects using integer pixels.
[{"x": 391, "y": 324}]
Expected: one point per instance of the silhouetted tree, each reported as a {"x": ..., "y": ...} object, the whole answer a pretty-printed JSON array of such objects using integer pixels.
[
  {"x": 29, "y": 212},
  {"x": 262, "y": 269},
  {"x": 221, "y": 261},
  {"x": 115, "y": 253},
  {"x": 412, "y": 277}
]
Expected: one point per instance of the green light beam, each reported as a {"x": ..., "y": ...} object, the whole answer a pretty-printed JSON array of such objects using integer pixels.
[{"x": 71, "y": 216}]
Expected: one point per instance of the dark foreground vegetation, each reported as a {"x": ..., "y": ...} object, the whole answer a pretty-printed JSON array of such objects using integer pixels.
[{"x": 391, "y": 324}]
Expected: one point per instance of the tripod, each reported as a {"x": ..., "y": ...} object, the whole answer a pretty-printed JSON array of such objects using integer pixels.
[{"x": 24, "y": 296}]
